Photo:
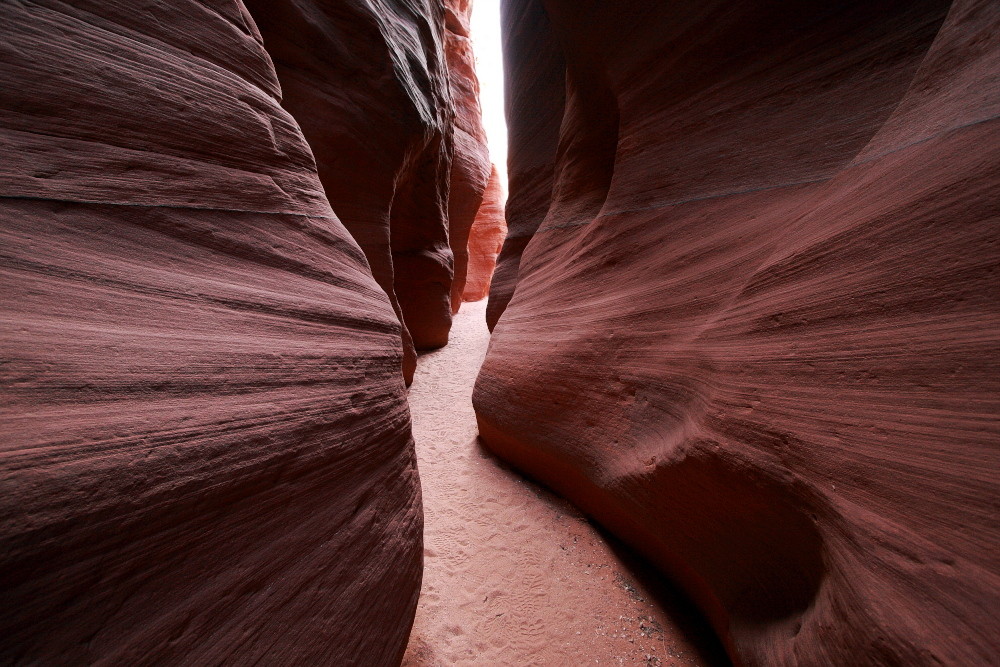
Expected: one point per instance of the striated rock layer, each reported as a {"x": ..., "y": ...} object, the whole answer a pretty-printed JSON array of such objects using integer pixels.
[
  {"x": 534, "y": 95},
  {"x": 369, "y": 85},
  {"x": 206, "y": 455},
  {"x": 470, "y": 170},
  {"x": 485, "y": 241},
  {"x": 387, "y": 97},
  {"x": 755, "y": 332}
]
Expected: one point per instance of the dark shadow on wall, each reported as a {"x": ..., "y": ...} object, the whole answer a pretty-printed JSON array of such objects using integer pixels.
[{"x": 681, "y": 611}]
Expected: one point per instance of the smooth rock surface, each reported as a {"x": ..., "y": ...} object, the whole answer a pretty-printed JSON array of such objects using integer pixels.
[
  {"x": 206, "y": 455},
  {"x": 755, "y": 332},
  {"x": 513, "y": 574},
  {"x": 534, "y": 93},
  {"x": 485, "y": 241},
  {"x": 371, "y": 86},
  {"x": 470, "y": 169}
]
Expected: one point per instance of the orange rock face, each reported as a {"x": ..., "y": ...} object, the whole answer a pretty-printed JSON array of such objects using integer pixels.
[
  {"x": 485, "y": 241},
  {"x": 755, "y": 332},
  {"x": 206, "y": 454}
]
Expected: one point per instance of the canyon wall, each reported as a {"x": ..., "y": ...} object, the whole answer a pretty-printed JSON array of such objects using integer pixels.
[
  {"x": 755, "y": 325},
  {"x": 369, "y": 86},
  {"x": 471, "y": 168},
  {"x": 485, "y": 241},
  {"x": 387, "y": 98},
  {"x": 534, "y": 95},
  {"x": 206, "y": 455}
]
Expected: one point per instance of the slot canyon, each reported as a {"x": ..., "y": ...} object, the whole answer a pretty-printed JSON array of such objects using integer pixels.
[{"x": 296, "y": 370}]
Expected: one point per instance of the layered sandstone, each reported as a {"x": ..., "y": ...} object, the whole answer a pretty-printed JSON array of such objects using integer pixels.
[
  {"x": 534, "y": 94},
  {"x": 369, "y": 84},
  {"x": 755, "y": 329},
  {"x": 206, "y": 454},
  {"x": 470, "y": 170},
  {"x": 388, "y": 98},
  {"x": 485, "y": 241}
]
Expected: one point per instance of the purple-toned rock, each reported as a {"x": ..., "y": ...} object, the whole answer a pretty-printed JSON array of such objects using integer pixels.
[
  {"x": 387, "y": 97},
  {"x": 368, "y": 83},
  {"x": 535, "y": 98},
  {"x": 206, "y": 455},
  {"x": 755, "y": 328}
]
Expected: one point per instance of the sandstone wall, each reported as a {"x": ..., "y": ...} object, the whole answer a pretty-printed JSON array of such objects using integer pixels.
[
  {"x": 534, "y": 94},
  {"x": 485, "y": 241},
  {"x": 387, "y": 97},
  {"x": 368, "y": 82},
  {"x": 470, "y": 171},
  {"x": 206, "y": 455},
  {"x": 755, "y": 329}
]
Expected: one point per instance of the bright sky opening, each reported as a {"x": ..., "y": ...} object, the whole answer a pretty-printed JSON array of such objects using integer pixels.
[{"x": 485, "y": 33}]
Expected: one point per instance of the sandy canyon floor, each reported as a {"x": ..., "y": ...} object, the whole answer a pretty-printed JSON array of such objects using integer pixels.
[{"x": 514, "y": 575}]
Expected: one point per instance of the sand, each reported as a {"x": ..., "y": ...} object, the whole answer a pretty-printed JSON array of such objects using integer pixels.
[{"x": 514, "y": 575}]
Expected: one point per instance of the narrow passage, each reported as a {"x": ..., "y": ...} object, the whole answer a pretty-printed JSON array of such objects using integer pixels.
[{"x": 514, "y": 575}]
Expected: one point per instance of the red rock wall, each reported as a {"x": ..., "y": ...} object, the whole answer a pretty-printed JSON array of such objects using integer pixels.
[
  {"x": 206, "y": 455},
  {"x": 485, "y": 241},
  {"x": 369, "y": 86},
  {"x": 387, "y": 97},
  {"x": 756, "y": 332},
  {"x": 470, "y": 170},
  {"x": 534, "y": 95}
]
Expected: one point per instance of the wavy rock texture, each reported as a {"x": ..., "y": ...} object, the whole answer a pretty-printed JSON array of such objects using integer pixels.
[
  {"x": 756, "y": 332},
  {"x": 206, "y": 455},
  {"x": 470, "y": 170},
  {"x": 370, "y": 85},
  {"x": 485, "y": 241},
  {"x": 534, "y": 95}
]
